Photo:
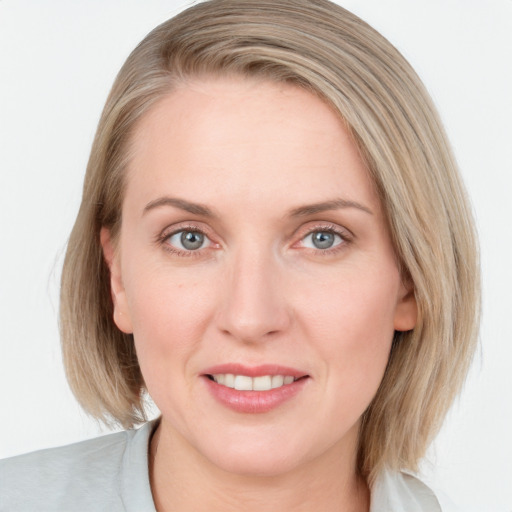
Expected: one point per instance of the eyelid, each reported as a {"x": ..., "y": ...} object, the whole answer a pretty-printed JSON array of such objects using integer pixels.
[
  {"x": 313, "y": 226},
  {"x": 182, "y": 226}
]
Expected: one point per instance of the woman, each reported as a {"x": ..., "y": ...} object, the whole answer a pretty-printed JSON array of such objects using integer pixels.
[{"x": 273, "y": 243}]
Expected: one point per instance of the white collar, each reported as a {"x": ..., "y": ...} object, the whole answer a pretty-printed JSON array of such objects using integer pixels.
[{"x": 403, "y": 492}]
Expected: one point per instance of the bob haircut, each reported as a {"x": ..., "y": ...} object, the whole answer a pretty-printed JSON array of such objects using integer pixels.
[{"x": 330, "y": 52}]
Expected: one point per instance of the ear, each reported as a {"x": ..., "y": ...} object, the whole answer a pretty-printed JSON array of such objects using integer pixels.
[
  {"x": 406, "y": 312},
  {"x": 121, "y": 311}
]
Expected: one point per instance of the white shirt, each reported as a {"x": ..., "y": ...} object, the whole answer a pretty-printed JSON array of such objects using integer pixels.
[{"x": 110, "y": 473}]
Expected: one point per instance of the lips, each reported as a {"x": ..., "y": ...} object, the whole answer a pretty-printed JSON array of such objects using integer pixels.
[{"x": 255, "y": 389}]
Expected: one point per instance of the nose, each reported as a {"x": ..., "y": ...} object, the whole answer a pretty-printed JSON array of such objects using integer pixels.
[{"x": 254, "y": 306}]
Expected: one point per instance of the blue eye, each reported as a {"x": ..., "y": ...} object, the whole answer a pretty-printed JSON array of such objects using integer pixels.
[
  {"x": 189, "y": 240},
  {"x": 322, "y": 240}
]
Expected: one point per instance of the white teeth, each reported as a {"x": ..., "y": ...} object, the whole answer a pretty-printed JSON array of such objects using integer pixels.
[
  {"x": 245, "y": 383},
  {"x": 277, "y": 381},
  {"x": 263, "y": 383}
]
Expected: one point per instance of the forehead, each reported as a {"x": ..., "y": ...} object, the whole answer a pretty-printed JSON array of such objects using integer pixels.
[{"x": 246, "y": 138}]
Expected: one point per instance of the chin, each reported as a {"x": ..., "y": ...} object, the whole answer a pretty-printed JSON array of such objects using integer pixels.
[
  {"x": 259, "y": 458},
  {"x": 256, "y": 465}
]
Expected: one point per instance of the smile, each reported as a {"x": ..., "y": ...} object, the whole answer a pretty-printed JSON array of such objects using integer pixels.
[
  {"x": 246, "y": 383},
  {"x": 254, "y": 389}
]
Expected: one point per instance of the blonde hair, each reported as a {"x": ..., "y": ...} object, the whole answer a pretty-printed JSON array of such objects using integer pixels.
[{"x": 334, "y": 54}]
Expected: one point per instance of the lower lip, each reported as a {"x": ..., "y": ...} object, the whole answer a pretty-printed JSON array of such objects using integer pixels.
[{"x": 254, "y": 402}]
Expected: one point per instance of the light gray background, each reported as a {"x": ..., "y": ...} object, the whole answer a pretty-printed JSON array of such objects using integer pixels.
[{"x": 57, "y": 62}]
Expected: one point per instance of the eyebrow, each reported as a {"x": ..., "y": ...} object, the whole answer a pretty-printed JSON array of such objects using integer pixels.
[
  {"x": 194, "y": 208},
  {"x": 334, "y": 204},
  {"x": 301, "y": 211}
]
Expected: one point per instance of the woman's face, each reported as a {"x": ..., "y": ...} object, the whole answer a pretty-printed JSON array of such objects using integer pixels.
[{"x": 254, "y": 253}]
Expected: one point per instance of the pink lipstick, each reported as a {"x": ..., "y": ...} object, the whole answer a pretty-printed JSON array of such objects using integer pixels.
[{"x": 253, "y": 389}]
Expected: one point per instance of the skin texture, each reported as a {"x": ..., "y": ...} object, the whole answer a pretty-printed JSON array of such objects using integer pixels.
[{"x": 258, "y": 291}]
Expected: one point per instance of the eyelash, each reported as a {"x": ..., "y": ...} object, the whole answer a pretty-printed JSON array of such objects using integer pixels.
[{"x": 344, "y": 234}]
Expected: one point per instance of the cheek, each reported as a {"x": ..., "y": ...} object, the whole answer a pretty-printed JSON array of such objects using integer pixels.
[
  {"x": 168, "y": 317},
  {"x": 358, "y": 307},
  {"x": 353, "y": 326}
]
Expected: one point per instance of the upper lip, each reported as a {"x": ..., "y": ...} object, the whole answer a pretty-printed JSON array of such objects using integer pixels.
[{"x": 254, "y": 371}]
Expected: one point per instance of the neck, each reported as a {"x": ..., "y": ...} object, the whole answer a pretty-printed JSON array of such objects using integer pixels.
[{"x": 183, "y": 480}]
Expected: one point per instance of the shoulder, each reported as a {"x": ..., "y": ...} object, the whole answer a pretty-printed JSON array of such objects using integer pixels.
[
  {"x": 406, "y": 492},
  {"x": 90, "y": 475}
]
